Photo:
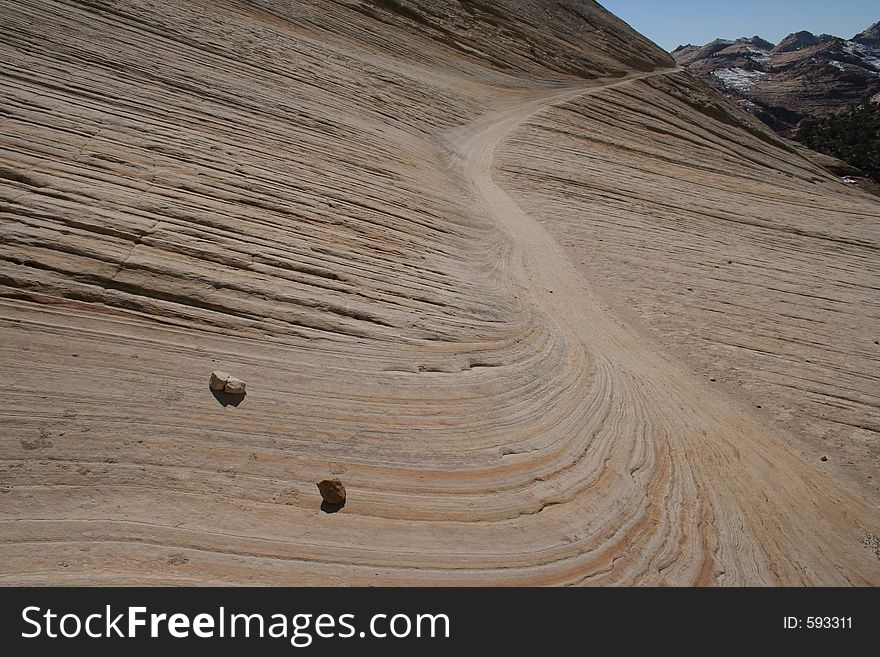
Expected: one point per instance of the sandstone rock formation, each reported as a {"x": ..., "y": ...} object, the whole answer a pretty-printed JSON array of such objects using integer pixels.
[{"x": 482, "y": 257}]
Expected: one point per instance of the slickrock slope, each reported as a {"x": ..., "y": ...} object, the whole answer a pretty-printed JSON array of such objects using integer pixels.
[{"x": 447, "y": 245}]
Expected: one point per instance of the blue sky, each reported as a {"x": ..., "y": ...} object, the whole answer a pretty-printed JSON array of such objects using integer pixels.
[{"x": 671, "y": 23}]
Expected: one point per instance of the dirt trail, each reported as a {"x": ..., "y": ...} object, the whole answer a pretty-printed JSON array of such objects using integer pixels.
[{"x": 753, "y": 473}]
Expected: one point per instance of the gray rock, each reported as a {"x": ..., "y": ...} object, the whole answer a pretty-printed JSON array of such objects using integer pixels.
[{"x": 234, "y": 386}]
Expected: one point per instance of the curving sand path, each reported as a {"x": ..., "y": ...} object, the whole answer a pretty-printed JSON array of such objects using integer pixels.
[
  {"x": 378, "y": 218},
  {"x": 541, "y": 271}
]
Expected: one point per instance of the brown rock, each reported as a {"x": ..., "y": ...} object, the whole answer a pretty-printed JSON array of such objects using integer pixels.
[
  {"x": 218, "y": 380},
  {"x": 332, "y": 491}
]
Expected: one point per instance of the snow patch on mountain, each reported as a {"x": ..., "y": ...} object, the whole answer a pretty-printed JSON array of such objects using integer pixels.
[
  {"x": 738, "y": 78},
  {"x": 758, "y": 55},
  {"x": 866, "y": 54}
]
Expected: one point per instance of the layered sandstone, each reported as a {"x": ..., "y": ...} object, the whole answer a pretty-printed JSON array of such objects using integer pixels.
[{"x": 499, "y": 266}]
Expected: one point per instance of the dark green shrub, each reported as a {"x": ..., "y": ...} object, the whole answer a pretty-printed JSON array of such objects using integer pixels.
[{"x": 853, "y": 136}]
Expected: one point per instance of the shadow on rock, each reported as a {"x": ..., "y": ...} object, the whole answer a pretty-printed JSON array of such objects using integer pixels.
[
  {"x": 227, "y": 399},
  {"x": 326, "y": 507}
]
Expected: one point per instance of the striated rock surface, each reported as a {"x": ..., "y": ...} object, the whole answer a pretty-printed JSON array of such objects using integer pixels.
[{"x": 485, "y": 258}]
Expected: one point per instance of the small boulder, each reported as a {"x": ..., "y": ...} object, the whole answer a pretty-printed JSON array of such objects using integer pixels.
[
  {"x": 218, "y": 380},
  {"x": 234, "y": 386},
  {"x": 332, "y": 491}
]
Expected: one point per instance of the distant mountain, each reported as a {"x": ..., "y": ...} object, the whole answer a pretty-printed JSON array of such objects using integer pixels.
[
  {"x": 870, "y": 37},
  {"x": 804, "y": 76},
  {"x": 799, "y": 41}
]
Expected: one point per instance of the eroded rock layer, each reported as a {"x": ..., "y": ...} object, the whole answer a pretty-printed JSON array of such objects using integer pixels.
[{"x": 415, "y": 230}]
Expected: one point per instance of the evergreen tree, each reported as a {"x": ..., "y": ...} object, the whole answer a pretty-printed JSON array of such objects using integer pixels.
[{"x": 853, "y": 136}]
